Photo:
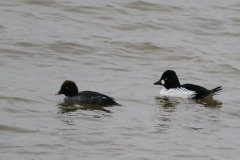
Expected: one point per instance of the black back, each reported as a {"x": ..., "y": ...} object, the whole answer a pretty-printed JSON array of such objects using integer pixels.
[
  {"x": 91, "y": 97},
  {"x": 200, "y": 91}
]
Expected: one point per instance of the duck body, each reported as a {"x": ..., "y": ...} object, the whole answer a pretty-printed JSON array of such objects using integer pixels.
[
  {"x": 70, "y": 90},
  {"x": 90, "y": 97},
  {"x": 173, "y": 88}
]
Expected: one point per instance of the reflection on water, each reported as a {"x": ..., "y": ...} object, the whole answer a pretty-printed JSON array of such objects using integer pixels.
[
  {"x": 175, "y": 113},
  {"x": 166, "y": 102},
  {"x": 68, "y": 107},
  {"x": 209, "y": 102},
  {"x": 172, "y": 102}
]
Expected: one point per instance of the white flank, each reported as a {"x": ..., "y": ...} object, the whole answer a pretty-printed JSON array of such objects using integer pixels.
[{"x": 178, "y": 92}]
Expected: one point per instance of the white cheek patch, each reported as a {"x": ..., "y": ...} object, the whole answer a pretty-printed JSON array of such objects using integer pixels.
[{"x": 163, "y": 82}]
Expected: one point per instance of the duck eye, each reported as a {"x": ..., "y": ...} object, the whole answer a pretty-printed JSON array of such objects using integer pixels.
[
  {"x": 165, "y": 79},
  {"x": 66, "y": 87}
]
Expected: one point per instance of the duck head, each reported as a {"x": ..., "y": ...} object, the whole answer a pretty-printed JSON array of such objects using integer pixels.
[
  {"x": 68, "y": 88},
  {"x": 169, "y": 80}
]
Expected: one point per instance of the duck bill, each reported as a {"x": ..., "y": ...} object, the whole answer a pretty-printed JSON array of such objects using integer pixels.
[
  {"x": 158, "y": 83},
  {"x": 60, "y": 92}
]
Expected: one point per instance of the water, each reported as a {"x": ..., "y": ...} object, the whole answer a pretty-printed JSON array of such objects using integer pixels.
[{"x": 118, "y": 48}]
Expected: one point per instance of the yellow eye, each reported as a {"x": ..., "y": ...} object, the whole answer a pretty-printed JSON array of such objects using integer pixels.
[{"x": 165, "y": 79}]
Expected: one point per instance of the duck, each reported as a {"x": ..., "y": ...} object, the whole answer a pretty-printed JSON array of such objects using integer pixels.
[
  {"x": 70, "y": 90},
  {"x": 173, "y": 88}
]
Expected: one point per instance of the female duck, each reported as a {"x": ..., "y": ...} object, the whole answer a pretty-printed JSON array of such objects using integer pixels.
[{"x": 70, "y": 90}]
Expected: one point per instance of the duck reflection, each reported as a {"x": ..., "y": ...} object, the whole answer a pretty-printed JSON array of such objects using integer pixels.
[
  {"x": 67, "y": 107},
  {"x": 166, "y": 102},
  {"x": 172, "y": 102},
  {"x": 209, "y": 102},
  {"x": 171, "y": 112}
]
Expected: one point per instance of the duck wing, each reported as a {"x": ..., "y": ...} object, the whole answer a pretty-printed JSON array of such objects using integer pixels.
[
  {"x": 92, "y": 97},
  {"x": 201, "y": 92}
]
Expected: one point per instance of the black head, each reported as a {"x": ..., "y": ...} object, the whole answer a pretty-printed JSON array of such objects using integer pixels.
[
  {"x": 169, "y": 80},
  {"x": 68, "y": 88}
]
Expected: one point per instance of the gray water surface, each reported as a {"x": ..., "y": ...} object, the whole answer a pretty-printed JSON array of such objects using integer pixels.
[{"x": 118, "y": 48}]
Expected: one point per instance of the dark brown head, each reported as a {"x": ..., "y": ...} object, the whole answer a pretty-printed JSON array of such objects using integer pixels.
[{"x": 68, "y": 88}]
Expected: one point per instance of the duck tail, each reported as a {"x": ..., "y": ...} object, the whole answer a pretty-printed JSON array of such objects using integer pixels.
[
  {"x": 114, "y": 102},
  {"x": 216, "y": 90},
  {"x": 117, "y": 104}
]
